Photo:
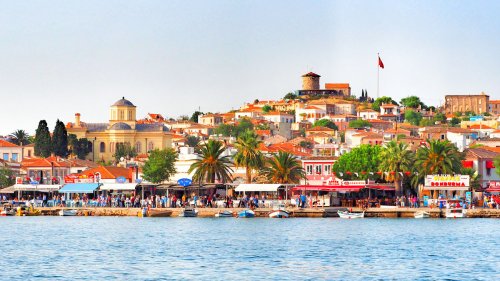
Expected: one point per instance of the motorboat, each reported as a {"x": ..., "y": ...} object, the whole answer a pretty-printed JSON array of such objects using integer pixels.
[
  {"x": 350, "y": 215},
  {"x": 66, "y": 213},
  {"x": 8, "y": 210},
  {"x": 454, "y": 209},
  {"x": 224, "y": 214},
  {"x": 279, "y": 212},
  {"x": 422, "y": 214},
  {"x": 189, "y": 212},
  {"x": 154, "y": 213},
  {"x": 246, "y": 214}
]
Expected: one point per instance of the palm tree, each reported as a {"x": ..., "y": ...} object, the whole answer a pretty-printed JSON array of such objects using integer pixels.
[
  {"x": 283, "y": 168},
  {"x": 248, "y": 155},
  {"x": 20, "y": 137},
  {"x": 211, "y": 165},
  {"x": 397, "y": 159}
]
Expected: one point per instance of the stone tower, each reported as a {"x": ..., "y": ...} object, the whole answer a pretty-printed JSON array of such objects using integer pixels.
[{"x": 310, "y": 81}]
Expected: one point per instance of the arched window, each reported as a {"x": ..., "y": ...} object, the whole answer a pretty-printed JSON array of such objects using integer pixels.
[
  {"x": 102, "y": 147},
  {"x": 129, "y": 115},
  {"x": 151, "y": 146},
  {"x": 138, "y": 147},
  {"x": 111, "y": 147}
]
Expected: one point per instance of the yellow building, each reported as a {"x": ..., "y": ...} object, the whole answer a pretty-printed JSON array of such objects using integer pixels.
[{"x": 121, "y": 128}]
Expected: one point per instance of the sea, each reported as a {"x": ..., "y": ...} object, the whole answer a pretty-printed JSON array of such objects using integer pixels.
[{"x": 130, "y": 248}]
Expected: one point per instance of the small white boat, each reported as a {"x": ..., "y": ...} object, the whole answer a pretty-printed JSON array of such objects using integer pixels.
[
  {"x": 279, "y": 212},
  {"x": 189, "y": 212},
  {"x": 68, "y": 213},
  {"x": 422, "y": 214},
  {"x": 456, "y": 213},
  {"x": 349, "y": 215},
  {"x": 224, "y": 214}
]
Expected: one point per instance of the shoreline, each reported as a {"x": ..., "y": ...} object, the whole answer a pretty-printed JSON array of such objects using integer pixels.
[{"x": 263, "y": 212}]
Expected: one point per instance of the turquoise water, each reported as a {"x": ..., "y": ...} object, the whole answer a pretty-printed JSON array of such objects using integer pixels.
[{"x": 129, "y": 248}]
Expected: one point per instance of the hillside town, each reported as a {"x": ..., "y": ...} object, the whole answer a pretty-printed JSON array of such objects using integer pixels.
[{"x": 341, "y": 144}]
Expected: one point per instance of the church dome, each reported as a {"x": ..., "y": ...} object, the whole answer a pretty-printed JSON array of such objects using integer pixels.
[
  {"x": 123, "y": 102},
  {"x": 121, "y": 126}
]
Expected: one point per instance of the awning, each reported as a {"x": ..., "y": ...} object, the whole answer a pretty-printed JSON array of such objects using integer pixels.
[
  {"x": 490, "y": 164},
  {"x": 257, "y": 187},
  {"x": 330, "y": 188},
  {"x": 490, "y": 190},
  {"x": 449, "y": 188},
  {"x": 118, "y": 186},
  {"x": 48, "y": 187},
  {"x": 468, "y": 164},
  {"x": 8, "y": 190},
  {"x": 382, "y": 187},
  {"x": 79, "y": 188}
]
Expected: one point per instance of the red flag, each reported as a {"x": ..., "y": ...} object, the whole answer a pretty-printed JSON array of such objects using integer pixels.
[{"x": 380, "y": 63}]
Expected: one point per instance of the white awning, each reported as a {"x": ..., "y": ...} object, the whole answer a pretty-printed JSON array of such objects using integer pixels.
[
  {"x": 118, "y": 186},
  {"x": 449, "y": 188},
  {"x": 9, "y": 190},
  {"x": 24, "y": 187},
  {"x": 48, "y": 187},
  {"x": 257, "y": 187}
]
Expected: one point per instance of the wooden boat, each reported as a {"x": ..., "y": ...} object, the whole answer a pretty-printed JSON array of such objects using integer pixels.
[
  {"x": 224, "y": 214},
  {"x": 246, "y": 214},
  {"x": 66, "y": 213},
  {"x": 349, "y": 215},
  {"x": 157, "y": 213},
  {"x": 422, "y": 214},
  {"x": 279, "y": 212},
  {"x": 189, "y": 212}
]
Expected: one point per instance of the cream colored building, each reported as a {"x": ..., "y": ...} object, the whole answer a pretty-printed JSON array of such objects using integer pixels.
[{"x": 122, "y": 127}]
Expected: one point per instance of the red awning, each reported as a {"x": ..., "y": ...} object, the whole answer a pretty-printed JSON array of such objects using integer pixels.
[
  {"x": 468, "y": 164},
  {"x": 382, "y": 187},
  {"x": 489, "y": 164},
  {"x": 493, "y": 189},
  {"x": 330, "y": 188}
]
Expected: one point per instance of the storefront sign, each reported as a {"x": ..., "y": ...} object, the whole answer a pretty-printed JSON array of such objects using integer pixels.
[
  {"x": 495, "y": 184},
  {"x": 121, "y": 179},
  {"x": 468, "y": 197},
  {"x": 447, "y": 181}
]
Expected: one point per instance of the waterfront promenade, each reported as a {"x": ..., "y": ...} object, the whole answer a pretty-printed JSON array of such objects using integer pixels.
[{"x": 263, "y": 212}]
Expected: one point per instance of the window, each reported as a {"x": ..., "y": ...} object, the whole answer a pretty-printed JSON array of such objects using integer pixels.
[
  {"x": 6, "y": 156},
  {"x": 14, "y": 157},
  {"x": 29, "y": 153},
  {"x": 111, "y": 147},
  {"x": 488, "y": 172},
  {"x": 121, "y": 115},
  {"x": 102, "y": 147},
  {"x": 151, "y": 146},
  {"x": 442, "y": 137},
  {"x": 309, "y": 169},
  {"x": 318, "y": 169},
  {"x": 328, "y": 169},
  {"x": 129, "y": 115},
  {"x": 138, "y": 147}
]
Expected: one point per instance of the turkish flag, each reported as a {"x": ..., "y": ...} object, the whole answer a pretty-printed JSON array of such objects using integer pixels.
[{"x": 380, "y": 63}]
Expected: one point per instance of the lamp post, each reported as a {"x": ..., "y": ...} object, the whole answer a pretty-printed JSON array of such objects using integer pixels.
[{"x": 93, "y": 149}]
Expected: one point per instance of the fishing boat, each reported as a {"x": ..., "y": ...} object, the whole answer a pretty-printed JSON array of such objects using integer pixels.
[
  {"x": 158, "y": 213},
  {"x": 66, "y": 213},
  {"x": 246, "y": 214},
  {"x": 349, "y": 215},
  {"x": 279, "y": 212},
  {"x": 422, "y": 214},
  {"x": 8, "y": 210},
  {"x": 189, "y": 212},
  {"x": 454, "y": 209},
  {"x": 224, "y": 214}
]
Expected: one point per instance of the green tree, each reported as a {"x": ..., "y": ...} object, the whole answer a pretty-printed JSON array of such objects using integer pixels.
[
  {"x": 325, "y": 123},
  {"x": 439, "y": 117},
  {"x": 6, "y": 177},
  {"x": 426, "y": 122},
  {"x": 306, "y": 144},
  {"x": 486, "y": 114},
  {"x": 396, "y": 159},
  {"x": 192, "y": 141},
  {"x": 290, "y": 96},
  {"x": 225, "y": 130},
  {"x": 195, "y": 115},
  {"x": 248, "y": 154},
  {"x": 79, "y": 147},
  {"x": 455, "y": 121},
  {"x": 413, "y": 117},
  {"x": 43, "y": 146},
  {"x": 124, "y": 150},
  {"x": 362, "y": 160},
  {"x": 19, "y": 137},
  {"x": 359, "y": 123},
  {"x": 266, "y": 108},
  {"x": 212, "y": 164},
  {"x": 379, "y": 101},
  {"x": 283, "y": 168},
  {"x": 412, "y": 102},
  {"x": 60, "y": 140},
  {"x": 160, "y": 165}
]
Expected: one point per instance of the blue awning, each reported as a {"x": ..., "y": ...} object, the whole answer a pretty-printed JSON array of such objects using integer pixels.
[{"x": 79, "y": 188}]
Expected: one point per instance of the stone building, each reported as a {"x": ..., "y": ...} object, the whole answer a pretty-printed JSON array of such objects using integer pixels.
[
  {"x": 310, "y": 87},
  {"x": 462, "y": 103},
  {"x": 122, "y": 128}
]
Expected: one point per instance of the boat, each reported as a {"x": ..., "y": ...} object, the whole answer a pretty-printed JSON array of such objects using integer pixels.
[
  {"x": 246, "y": 214},
  {"x": 279, "y": 212},
  {"x": 189, "y": 212},
  {"x": 349, "y": 215},
  {"x": 422, "y": 214},
  {"x": 8, "y": 210},
  {"x": 158, "y": 213},
  {"x": 66, "y": 213},
  {"x": 454, "y": 209},
  {"x": 24, "y": 210},
  {"x": 224, "y": 214}
]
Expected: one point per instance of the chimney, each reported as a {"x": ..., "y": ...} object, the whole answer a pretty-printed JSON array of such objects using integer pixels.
[{"x": 77, "y": 120}]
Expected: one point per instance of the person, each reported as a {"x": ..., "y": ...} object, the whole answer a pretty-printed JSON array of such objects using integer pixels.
[
  {"x": 302, "y": 200},
  {"x": 485, "y": 202}
]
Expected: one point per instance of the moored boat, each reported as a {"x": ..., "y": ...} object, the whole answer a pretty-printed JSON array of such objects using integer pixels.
[
  {"x": 421, "y": 214},
  {"x": 155, "y": 213},
  {"x": 279, "y": 212},
  {"x": 454, "y": 209},
  {"x": 189, "y": 212},
  {"x": 66, "y": 213},
  {"x": 349, "y": 215},
  {"x": 224, "y": 214},
  {"x": 8, "y": 210},
  {"x": 246, "y": 214}
]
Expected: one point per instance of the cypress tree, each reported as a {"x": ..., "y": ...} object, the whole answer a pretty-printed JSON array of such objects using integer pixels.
[
  {"x": 42, "y": 140},
  {"x": 60, "y": 140}
]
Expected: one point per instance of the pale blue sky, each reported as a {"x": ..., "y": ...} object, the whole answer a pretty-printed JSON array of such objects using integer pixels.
[{"x": 169, "y": 57}]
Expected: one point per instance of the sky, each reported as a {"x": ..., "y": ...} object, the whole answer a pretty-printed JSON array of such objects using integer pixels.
[{"x": 58, "y": 58}]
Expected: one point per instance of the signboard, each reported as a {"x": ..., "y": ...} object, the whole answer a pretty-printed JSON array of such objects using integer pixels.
[
  {"x": 495, "y": 184},
  {"x": 468, "y": 197},
  {"x": 184, "y": 182},
  {"x": 426, "y": 201},
  {"x": 121, "y": 179},
  {"x": 450, "y": 181},
  {"x": 348, "y": 183}
]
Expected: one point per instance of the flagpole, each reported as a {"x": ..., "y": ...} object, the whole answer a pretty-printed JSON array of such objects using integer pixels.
[{"x": 378, "y": 74}]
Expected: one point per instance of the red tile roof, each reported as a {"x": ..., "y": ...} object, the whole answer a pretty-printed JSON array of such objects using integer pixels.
[
  {"x": 332, "y": 86},
  {"x": 4, "y": 143}
]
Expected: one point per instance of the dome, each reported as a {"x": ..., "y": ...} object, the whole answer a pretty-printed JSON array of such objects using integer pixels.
[
  {"x": 121, "y": 126},
  {"x": 123, "y": 102}
]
